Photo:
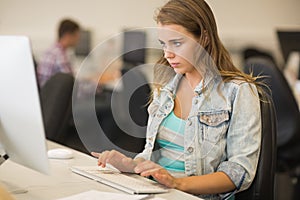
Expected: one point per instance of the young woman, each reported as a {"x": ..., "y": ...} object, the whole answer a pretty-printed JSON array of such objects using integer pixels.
[{"x": 204, "y": 127}]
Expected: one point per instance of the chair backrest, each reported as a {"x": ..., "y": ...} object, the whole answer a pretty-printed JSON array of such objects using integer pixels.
[
  {"x": 124, "y": 119},
  {"x": 262, "y": 187},
  {"x": 56, "y": 101},
  {"x": 287, "y": 111},
  {"x": 129, "y": 106}
]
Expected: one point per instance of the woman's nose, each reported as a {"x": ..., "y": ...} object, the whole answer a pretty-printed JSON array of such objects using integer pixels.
[{"x": 169, "y": 54}]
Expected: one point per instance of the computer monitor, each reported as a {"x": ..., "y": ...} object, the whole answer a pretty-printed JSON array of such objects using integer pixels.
[
  {"x": 134, "y": 44},
  {"x": 22, "y": 134},
  {"x": 289, "y": 41},
  {"x": 83, "y": 47}
]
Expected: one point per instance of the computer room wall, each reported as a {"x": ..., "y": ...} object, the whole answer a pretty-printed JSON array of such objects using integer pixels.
[{"x": 240, "y": 23}]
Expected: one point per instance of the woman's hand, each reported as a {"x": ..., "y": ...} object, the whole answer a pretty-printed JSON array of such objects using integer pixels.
[
  {"x": 161, "y": 175},
  {"x": 117, "y": 159}
]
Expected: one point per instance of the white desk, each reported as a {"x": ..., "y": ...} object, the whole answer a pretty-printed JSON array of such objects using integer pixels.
[{"x": 62, "y": 182}]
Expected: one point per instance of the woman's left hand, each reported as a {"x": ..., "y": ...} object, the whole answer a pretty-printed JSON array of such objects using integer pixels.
[{"x": 161, "y": 175}]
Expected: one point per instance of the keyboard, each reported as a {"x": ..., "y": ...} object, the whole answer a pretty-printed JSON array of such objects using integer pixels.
[{"x": 126, "y": 182}]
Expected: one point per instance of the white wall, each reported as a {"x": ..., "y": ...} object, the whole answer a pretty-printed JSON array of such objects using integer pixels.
[
  {"x": 240, "y": 22},
  {"x": 39, "y": 18},
  {"x": 255, "y": 22}
]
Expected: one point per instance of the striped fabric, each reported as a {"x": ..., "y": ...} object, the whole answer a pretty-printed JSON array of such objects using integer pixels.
[{"x": 170, "y": 139}]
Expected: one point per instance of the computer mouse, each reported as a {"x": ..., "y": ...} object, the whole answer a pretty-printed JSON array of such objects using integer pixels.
[{"x": 60, "y": 153}]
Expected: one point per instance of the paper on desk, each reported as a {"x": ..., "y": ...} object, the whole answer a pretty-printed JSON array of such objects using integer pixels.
[{"x": 96, "y": 195}]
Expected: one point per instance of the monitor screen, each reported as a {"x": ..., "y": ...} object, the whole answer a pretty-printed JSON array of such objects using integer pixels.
[
  {"x": 83, "y": 47},
  {"x": 22, "y": 134},
  {"x": 134, "y": 44},
  {"x": 289, "y": 41}
]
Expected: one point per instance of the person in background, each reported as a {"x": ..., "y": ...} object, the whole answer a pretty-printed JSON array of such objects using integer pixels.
[
  {"x": 55, "y": 59},
  {"x": 204, "y": 126}
]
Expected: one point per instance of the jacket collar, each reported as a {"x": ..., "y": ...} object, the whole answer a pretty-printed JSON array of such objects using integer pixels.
[{"x": 208, "y": 79}]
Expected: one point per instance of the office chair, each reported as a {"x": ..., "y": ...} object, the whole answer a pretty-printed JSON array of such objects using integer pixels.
[
  {"x": 56, "y": 96},
  {"x": 288, "y": 117},
  {"x": 287, "y": 111},
  {"x": 56, "y": 103},
  {"x": 122, "y": 114},
  {"x": 263, "y": 184},
  {"x": 130, "y": 105}
]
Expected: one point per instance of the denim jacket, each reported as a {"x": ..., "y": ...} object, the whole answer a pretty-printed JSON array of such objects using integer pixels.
[{"x": 222, "y": 133}]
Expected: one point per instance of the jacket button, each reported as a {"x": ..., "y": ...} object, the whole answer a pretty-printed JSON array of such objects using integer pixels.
[
  {"x": 196, "y": 101},
  {"x": 190, "y": 149}
]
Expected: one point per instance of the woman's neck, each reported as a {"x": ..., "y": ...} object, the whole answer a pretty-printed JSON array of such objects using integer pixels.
[{"x": 193, "y": 79}]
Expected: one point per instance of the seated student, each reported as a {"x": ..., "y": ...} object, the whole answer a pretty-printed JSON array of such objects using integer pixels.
[
  {"x": 205, "y": 114},
  {"x": 55, "y": 59}
]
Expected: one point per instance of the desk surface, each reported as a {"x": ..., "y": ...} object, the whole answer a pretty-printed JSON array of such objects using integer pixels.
[{"x": 62, "y": 182}]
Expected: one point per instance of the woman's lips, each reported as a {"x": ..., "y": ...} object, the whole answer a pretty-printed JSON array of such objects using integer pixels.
[{"x": 174, "y": 64}]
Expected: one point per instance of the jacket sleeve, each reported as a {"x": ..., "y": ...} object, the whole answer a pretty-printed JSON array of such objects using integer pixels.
[{"x": 243, "y": 137}]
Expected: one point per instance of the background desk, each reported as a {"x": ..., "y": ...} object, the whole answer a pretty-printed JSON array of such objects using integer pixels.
[{"x": 62, "y": 182}]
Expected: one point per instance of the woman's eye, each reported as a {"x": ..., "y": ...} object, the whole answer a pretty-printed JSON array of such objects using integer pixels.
[{"x": 177, "y": 44}]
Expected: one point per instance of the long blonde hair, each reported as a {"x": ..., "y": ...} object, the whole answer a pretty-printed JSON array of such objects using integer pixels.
[{"x": 197, "y": 18}]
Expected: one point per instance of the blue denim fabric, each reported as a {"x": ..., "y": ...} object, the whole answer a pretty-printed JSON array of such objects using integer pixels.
[{"x": 222, "y": 132}]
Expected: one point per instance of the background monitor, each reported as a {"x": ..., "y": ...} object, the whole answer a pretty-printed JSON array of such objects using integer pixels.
[
  {"x": 289, "y": 41},
  {"x": 83, "y": 47},
  {"x": 134, "y": 44},
  {"x": 22, "y": 132}
]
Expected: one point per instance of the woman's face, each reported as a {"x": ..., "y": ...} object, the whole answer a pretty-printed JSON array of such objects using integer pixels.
[{"x": 179, "y": 47}]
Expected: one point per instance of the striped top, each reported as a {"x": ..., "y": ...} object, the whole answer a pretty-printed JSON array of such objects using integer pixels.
[{"x": 171, "y": 141}]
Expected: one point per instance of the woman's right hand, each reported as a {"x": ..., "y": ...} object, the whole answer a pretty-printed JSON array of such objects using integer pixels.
[{"x": 116, "y": 159}]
